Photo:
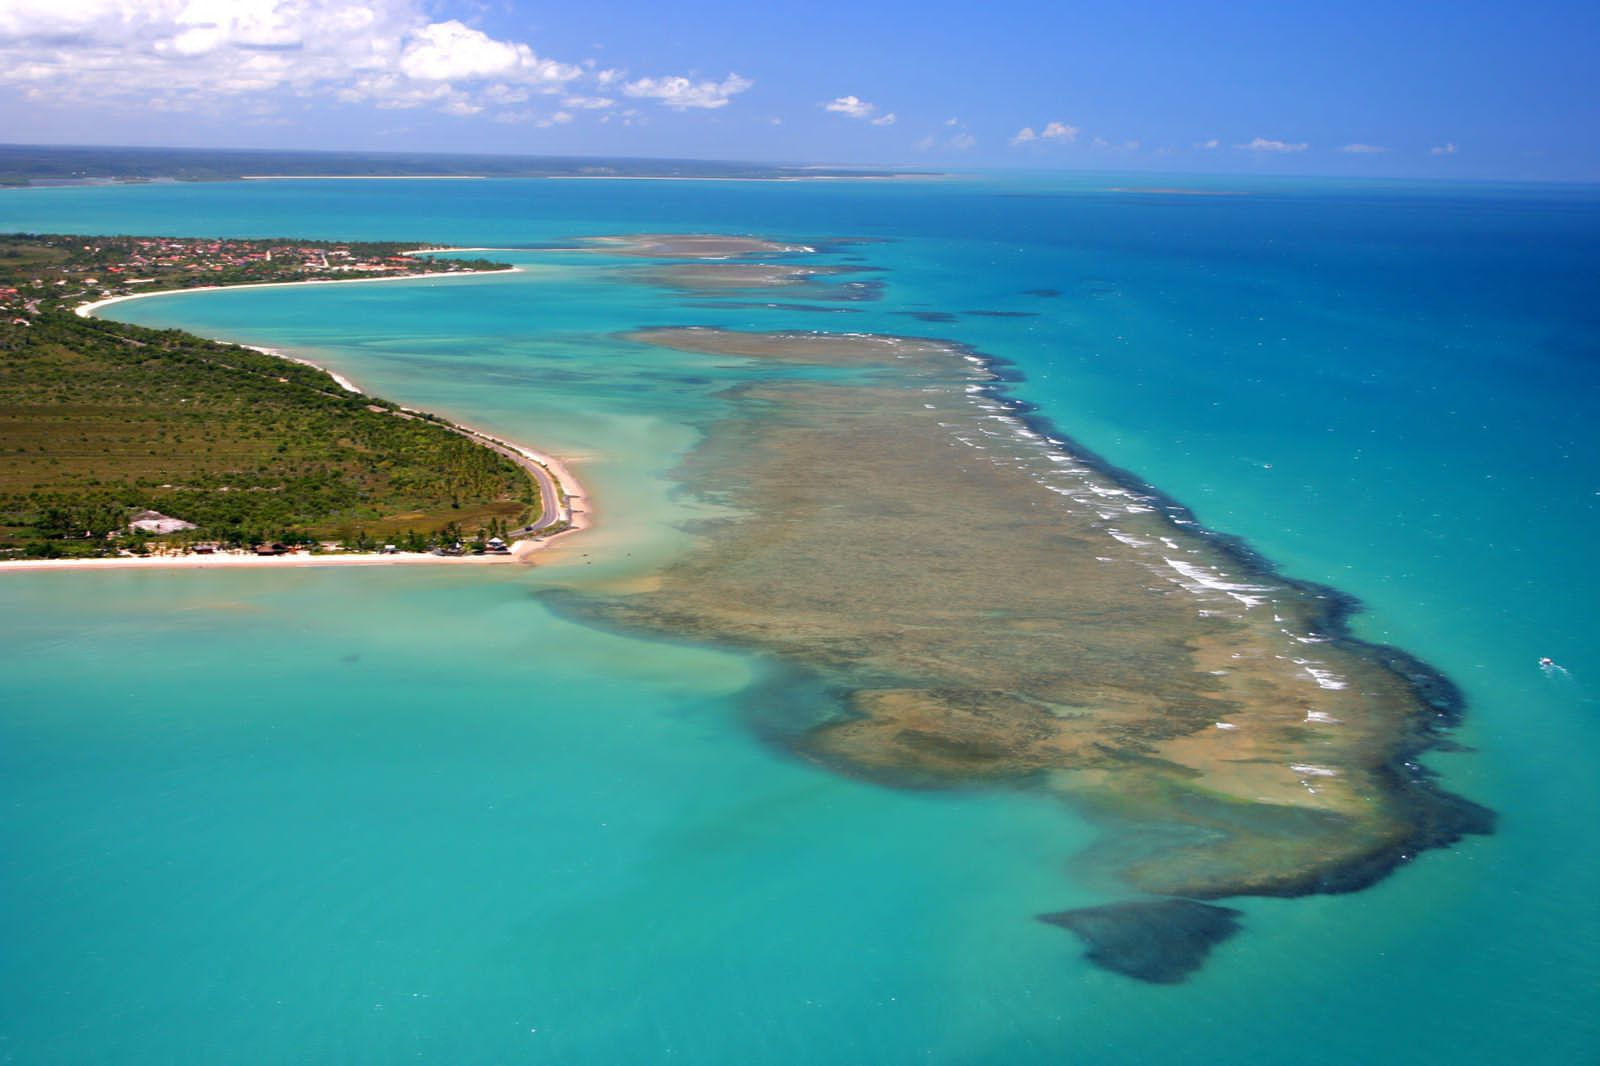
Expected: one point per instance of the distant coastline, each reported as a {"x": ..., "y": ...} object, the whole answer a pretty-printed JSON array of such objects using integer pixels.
[
  {"x": 41, "y": 166},
  {"x": 363, "y": 177}
]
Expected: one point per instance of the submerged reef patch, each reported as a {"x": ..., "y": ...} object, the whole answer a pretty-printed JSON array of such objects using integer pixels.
[
  {"x": 976, "y": 599},
  {"x": 1160, "y": 941},
  {"x": 993, "y": 606}
]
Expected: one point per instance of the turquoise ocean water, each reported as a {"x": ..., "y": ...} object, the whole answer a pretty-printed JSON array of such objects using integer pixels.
[{"x": 414, "y": 815}]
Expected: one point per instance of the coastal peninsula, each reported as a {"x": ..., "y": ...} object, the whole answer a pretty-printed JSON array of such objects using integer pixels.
[{"x": 124, "y": 442}]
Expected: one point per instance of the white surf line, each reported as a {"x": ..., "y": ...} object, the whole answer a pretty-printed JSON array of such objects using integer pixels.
[{"x": 87, "y": 310}]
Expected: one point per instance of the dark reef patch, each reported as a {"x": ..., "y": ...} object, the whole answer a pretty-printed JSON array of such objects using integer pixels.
[
  {"x": 1003, "y": 314},
  {"x": 1047, "y": 294},
  {"x": 1158, "y": 941}
]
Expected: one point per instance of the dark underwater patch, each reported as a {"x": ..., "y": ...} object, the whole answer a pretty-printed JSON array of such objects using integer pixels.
[{"x": 1160, "y": 941}]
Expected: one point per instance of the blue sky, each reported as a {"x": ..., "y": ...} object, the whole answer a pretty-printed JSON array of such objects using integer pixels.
[{"x": 1461, "y": 90}]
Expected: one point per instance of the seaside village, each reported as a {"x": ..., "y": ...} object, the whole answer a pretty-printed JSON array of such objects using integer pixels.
[
  {"x": 146, "y": 524},
  {"x": 120, "y": 266}
]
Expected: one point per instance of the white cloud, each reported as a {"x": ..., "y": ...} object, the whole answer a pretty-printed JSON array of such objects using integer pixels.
[
  {"x": 961, "y": 142},
  {"x": 855, "y": 107},
  {"x": 1053, "y": 131},
  {"x": 927, "y": 143},
  {"x": 238, "y": 57},
  {"x": 588, "y": 103},
  {"x": 681, "y": 94},
  {"x": 1363, "y": 149},
  {"x": 450, "y": 51},
  {"x": 1262, "y": 144},
  {"x": 952, "y": 121},
  {"x": 1210, "y": 145},
  {"x": 1444, "y": 149},
  {"x": 559, "y": 118}
]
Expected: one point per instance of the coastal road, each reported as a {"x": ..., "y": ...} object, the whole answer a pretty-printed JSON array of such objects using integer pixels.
[{"x": 550, "y": 510}]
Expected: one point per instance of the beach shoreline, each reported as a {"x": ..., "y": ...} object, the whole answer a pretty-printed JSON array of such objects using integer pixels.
[
  {"x": 249, "y": 560},
  {"x": 87, "y": 310},
  {"x": 558, "y": 486}
]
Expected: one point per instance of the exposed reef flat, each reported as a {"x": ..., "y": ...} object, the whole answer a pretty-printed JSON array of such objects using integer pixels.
[
  {"x": 713, "y": 265},
  {"x": 691, "y": 246},
  {"x": 992, "y": 605}
]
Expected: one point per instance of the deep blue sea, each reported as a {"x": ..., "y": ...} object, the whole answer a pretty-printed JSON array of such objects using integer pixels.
[{"x": 373, "y": 816}]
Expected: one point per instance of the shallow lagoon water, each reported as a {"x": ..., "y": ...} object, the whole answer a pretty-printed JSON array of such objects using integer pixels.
[{"x": 225, "y": 836}]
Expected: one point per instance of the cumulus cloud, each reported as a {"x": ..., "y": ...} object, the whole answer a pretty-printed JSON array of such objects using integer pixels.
[
  {"x": 681, "y": 94},
  {"x": 1210, "y": 145},
  {"x": 1363, "y": 149},
  {"x": 447, "y": 51},
  {"x": 1444, "y": 149},
  {"x": 855, "y": 107},
  {"x": 1053, "y": 131},
  {"x": 1262, "y": 144},
  {"x": 240, "y": 56}
]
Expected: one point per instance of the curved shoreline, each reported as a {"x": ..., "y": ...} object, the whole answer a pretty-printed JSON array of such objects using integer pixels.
[
  {"x": 87, "y": 310},
  {"x": 558, "y": 486}
]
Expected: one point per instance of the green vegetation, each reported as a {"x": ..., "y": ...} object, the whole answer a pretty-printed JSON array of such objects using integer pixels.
[
  {"x": 100, "y": 421},
  {"x": 41, "y": 272}
]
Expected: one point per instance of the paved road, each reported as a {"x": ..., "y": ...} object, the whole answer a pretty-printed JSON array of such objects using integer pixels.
[{"x": 550, "y": 510}]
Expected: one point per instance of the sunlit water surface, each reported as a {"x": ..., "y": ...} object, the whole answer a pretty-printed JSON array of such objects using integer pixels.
[{"x": 370, "y": 816}]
